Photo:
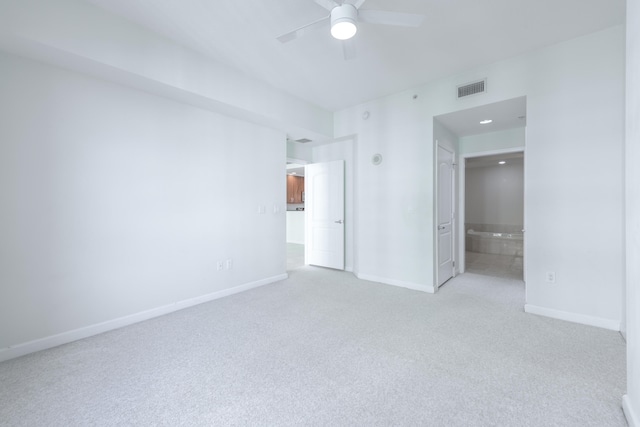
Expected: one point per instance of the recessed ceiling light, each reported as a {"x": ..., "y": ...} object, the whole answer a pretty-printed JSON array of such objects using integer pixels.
[
  {"x": 293, "y": 173},
  {"x": 502, "y": 162},
  {"x": 486, "y": 122}
]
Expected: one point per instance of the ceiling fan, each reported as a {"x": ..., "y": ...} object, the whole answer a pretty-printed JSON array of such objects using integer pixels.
[{"x": 344, "y": 19}]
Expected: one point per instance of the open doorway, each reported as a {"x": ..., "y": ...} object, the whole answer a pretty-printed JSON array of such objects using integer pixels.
[
  {"x": 494, "y": 215},
  {"x": 316, "y": 153},
  {"x": 315, "y": 224},
  {"x": 484, "y": 136},
  {"x": 295, "y": 213}
]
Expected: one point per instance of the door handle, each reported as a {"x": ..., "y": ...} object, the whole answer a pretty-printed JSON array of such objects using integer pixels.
[
  {"x": 441, "y": 227},
  {"x": 338, "y": 221}
]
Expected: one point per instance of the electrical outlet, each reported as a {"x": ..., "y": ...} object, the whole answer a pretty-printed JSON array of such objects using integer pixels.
[
  {"x": 220, "y": 265},
  {"x": 229, "y": 264},
  {"x": 551, "y": 277}
]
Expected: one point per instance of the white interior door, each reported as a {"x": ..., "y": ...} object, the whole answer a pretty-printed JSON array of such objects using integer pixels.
[
  {"x": 324, "y": 214},
  {"x": 445, "y": 215}
]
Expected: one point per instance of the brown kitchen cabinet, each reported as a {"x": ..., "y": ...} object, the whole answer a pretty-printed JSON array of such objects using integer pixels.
[{"x": 295, "y": 187}]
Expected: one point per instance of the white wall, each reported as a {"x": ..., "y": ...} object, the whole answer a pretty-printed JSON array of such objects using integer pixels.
[
  {"x": 573, "y": 175},
  {"x": 631, "y": 401},
  {"x": 298, "y": 151},
  {"x": 444, "y": 137},
  {"x": 115, "y": 202},
  {"x": 295, "y": 227},
  {"x": 394, "y": 209},
  {"x": 78, "y": 35},
  {"x": 495, "y": 194},
  {"x": 493, "y": 141}
]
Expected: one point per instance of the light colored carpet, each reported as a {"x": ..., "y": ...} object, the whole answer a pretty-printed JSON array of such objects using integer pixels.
[{"x": 323, "y": 348}]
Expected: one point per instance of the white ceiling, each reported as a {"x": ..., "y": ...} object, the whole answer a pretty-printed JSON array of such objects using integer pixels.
[
  {"x": 508, "y": 114},
  {"x": 456, "y": 35}
]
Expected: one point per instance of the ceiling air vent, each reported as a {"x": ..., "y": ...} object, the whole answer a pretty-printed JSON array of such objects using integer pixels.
[
  {"x": 472, "y": 88},
  {"x": 303, "y": 140}
]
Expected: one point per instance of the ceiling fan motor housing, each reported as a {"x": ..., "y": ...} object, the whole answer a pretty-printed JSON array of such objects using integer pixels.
[{"x": 343, "y": 21}]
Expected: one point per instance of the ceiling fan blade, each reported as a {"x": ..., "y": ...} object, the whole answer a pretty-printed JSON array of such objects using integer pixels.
[
  {"x": 390, "y": 18},
  {"x": 349, "y": 49},
  {"x": 327, "y": 4},
  {"x": 292, "y": 35},
  {"x": 357, "y": 3}
]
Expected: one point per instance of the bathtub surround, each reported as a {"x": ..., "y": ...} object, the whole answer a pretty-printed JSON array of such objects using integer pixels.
[
  {"x": 497, "y": 228},
  {"x": 324, "y": 348},
  {"x": 498, "y": 243}
]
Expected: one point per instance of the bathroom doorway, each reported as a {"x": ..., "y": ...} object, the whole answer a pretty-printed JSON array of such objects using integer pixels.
[
  {"x": 484, "y": 136},
  {"x": 494, "y": 215}
]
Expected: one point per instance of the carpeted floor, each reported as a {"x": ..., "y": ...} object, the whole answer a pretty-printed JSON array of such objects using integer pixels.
[{"x": 323, "y": 348}]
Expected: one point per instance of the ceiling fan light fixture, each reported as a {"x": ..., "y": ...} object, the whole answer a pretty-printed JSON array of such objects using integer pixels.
[
  {"x": 343, "y": 22},
  {"x": 343, "y": 30}
]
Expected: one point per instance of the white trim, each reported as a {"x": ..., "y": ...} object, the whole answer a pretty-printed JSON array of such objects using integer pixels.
[
  {"x": 613, "y": 325},
  {"x": 518, "y": 149},
  {"x": 98, "y": 328},
  {"x": 394, "y": 282},
  {"x": 298, "y": 161},
  {"x": 633, "y": 416}
]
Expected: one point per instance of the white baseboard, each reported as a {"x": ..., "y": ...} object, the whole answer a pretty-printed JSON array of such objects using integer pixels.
[
  {"x": 88, "y": 331},
  {"x": 633, "y": 416},
  {"x": 399, "y": 283},
  {"x": 600, "y": 322}
]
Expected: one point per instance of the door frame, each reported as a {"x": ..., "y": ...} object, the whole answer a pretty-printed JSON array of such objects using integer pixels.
[{"x": 462, "y": 208}]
